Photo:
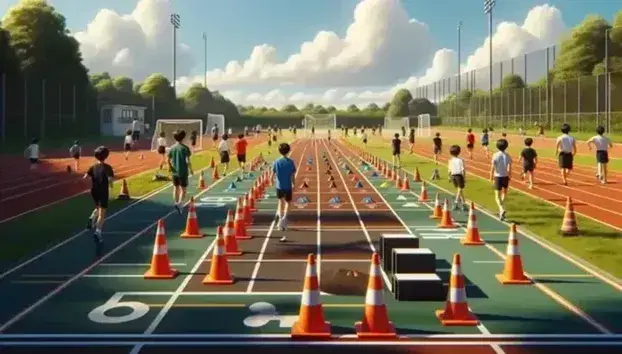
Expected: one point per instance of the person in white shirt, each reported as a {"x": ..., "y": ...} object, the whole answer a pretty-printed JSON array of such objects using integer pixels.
[
  {"x": 162, "y": 149},
  {"x": 128, "y": 141},
  {"x": 135, "y": 132},
  {"x": 457, "y": 175},
  {"x": 602, "y": 144},
  {"x": 32, "y": 153},
  {"x": 566, "y": 149},
  {"x": 500, "y": 173},
  {"x": 224, "y": 151},
  {"x": 229, "y": 131},
  {"x": 75, "y": 151}
]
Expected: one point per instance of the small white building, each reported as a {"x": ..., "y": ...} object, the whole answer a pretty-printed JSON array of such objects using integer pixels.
[{"x": 115, "y": 120}]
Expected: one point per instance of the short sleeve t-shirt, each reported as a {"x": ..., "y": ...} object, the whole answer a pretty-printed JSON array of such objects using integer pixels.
[
  {"x": 284, "y": 168},
  {"x": 100, "y": 174},
  {"x": 470, "y": 138},
  {"x": 179, "y": 155},
  {"x": 223, "y": 146},
  {"x": 600, "y": 142},
  {"x": 240, "y": 146},
  {"x": 529, "y": 155},
  {"x": 565, "y": 143},
  {"x": 501, "y": 161},
  {"x": 128, "y": 139},
  {"x": 438, "y": 143},
  {"x": 456, "y": 166},
  {"x": 396, "y": 144}
]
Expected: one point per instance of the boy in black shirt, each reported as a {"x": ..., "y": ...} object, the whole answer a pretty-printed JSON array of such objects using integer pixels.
[
  {"x": 529, "y": 157},
  {"x": 396, "y": 144},
  {"x": 438, "y": 145},
  {"x": 102, "y": 177}
]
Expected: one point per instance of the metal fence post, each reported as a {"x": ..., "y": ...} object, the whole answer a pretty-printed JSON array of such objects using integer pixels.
[
  {"x": 26, "y": 108},
  {"x": 42, "y": 123},
  {"x": 3, "y": 102},
  {"x": 579, "y": 103}
]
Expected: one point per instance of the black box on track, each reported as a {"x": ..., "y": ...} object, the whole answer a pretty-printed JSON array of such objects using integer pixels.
[{"x": 390, "y": 241}]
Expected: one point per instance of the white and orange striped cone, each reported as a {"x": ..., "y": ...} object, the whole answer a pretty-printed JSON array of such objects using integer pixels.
[
  {"x": 417, "y": 175},
  {"x": 513, "y": 267},
  {"x": 398, "y": 182},
  {"x": 405, "y": 184},
  {"x": 447, "y": 222},
  {"x": 219, "y": 273},
  {"x": 212, "y": 163},
  {"x": 160, "y": 263},
  {"x": 215, "y": 175},
  {"x": 248, "y": 217},
  {"x": 457, "y": 312},
  {"x": 311, "y": 323},
  {"x": 201, "y": 181},
  {"x": 251, "y": 201},
  {"x": 192, "y": 223},
  {"x": 231, "y": 244},
  {"x": 423, "y": 195},
  {"x": 240, "y": 224},
  {"x": 437, "y": 212},
  {"x": 375, "y": 323},
  {"x": 472, "y": 237},
  {"x": 124, "y": 194},
  {"x": 569, "y": 224}
]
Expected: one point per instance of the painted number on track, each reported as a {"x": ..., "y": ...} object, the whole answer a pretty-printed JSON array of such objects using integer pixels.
[
  {"x": 215, "y": 202},
  {"x": 100, "y": 313}
]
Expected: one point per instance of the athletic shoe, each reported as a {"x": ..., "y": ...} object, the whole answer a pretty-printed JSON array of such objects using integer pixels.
[
  {"x": 178, "y": 209},
  {"x": 502, "y": 215},
  {"x": 89, "y": 224},
  {"x": 283, "y": 239}
]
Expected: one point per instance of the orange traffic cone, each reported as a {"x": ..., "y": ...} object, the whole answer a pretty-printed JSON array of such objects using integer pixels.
[
  {"x": 375, "y": 323},
  {"x": 405, "y": 184},
  {"x": 309, "y": 168},
  {"x": 219, "y": 273},
  {"x": 160, "y": 263},
  {"x": 231, "y": 244},
  {"x": 215, "y": 175},
  {"x": 456, "y": 312},
  {"x": 332, "y": 185},
  {"x": 423, "y": 195},
  {"x": 304, "y": 185},
  {"x": 201, "y": 181},
  {"x": 311, "y": 323},
  {"x": 398, "y": 183},
  {"x": 437, "y": 212},
  {"x": 331, "y": 178},
  {"x": 125, "y": 192},
  {"x": 212, "y": 163},
  {"x": 472, "y": 238},
  {"x": 513, "y": 268},
  {"x": 192, "y": 223},
  {"x": 447, "y": 221},
  {"x": 248, "y": 218},
  {"x": 417, "y": 177},
  {"x": 240, "y": 224},
  {"x": 251, "y": 201},
  {"x": 569, "y": 224}
]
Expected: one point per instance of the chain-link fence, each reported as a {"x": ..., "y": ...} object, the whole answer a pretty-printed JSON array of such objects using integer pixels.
[{"x": 584, "y": 102}]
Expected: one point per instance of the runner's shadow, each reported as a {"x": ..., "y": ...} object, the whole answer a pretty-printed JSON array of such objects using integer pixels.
[
  {"x": 563, "y": 281},
  {"x": 496, "y": 317}
]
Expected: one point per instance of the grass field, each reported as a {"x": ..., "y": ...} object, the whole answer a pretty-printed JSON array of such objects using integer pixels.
[
  {"x": 43, "y": 228},
  {"x": 599, "y": 245}
]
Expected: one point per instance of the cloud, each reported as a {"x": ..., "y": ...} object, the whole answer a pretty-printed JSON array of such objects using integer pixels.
[
  {"x": 133, "y": 44},
  {"x": 543, "y": 27}
]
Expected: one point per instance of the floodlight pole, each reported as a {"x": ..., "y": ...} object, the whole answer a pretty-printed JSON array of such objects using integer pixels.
[
  {"x": 205, "y": 59},
  {"x": 175, "y": 21},
  {"x": 459, "y": 43},
  {"x": 488, "y": 6}
]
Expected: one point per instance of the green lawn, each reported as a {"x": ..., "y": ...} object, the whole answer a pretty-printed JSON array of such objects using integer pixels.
[
  {"x": 38, "y": 230},
  {"x": 598, "y": 244}
]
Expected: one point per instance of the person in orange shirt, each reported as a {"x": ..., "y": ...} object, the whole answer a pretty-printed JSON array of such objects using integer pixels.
[
  {"x": 240, "y": 147},
  {"x": 470, "y": 139}
]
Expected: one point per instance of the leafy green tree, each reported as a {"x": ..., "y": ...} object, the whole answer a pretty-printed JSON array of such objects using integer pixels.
[
  {"x": 197, "y": 100},
  {"x": 615, "y": 35},
  {"x": 422, "y": 106},
  {"x": 399, "y": 104},
  {"x": 289, "y": 108},
  {"x": 386, "y": 106},
  {"x": 308, "y": 107},
  {"x": 352, "y": 109},
  {"x": 97, "y": 78},
  {"x": 511, "y": 81},
  {"x": 123, "y": 84},
  {"x": 9, "y": 64},
  {"x": 331, "y": 109}
]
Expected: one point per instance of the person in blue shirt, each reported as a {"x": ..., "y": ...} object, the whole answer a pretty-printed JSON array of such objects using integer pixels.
[{"x": 284, "y": 170}]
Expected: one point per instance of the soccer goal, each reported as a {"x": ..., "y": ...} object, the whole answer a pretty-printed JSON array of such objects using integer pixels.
[
  {"x": 215, "y": 120},
  {"x": 168, "y": 126},
  {"x": 321, "y": 122},
  {"x": 397, "y": 125},
  {"x": 424, "y": 128}
]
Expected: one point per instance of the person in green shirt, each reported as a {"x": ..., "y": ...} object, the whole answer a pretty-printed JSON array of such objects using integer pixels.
[{"x": 180, "y": 167}]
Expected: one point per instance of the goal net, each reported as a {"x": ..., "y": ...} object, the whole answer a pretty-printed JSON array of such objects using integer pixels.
[
  {"x": 321, "y": 122},
  {"x": 215, "y": 120},
  {"x": 397, "y": 125},
  {"x": 424, "y": 128},
  {"x": 168, "y": 126}
]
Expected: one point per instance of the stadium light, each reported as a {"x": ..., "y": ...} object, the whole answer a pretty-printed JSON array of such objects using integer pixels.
[
  {"x": 488, "y": 6},
  {"x": 176, "y": 22},
  {"x": 459, "y": 65},
  {"x": 204, "y": 35}
]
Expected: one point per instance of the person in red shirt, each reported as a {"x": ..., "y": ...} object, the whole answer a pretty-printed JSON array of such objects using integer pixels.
[
  {"x": 470, "y": 139},
  {"x": 240, "y": 147}
]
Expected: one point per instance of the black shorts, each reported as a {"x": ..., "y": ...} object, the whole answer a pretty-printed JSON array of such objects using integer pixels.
[
  {"x": 528, "y": 167},
  {"x": 224, "y": 157},
  {"x": 602, "y": 156},
  {"x": 180, "y": 181},
  {"x": 135, "y": 135},
  {"x": 485, "y": 144},
  {"x": 241, "y": 157},
  {"x": 437, "y": 150},
  {"x": 458, "y": 181},
  {"x": 33, "y": 161},
  {"x": 100, "y": 197},
  {"x": 565, "y": 160},
  {"x": 411, "y": 140},
  {"x": 501, "y": 183},
  {"x": 274, "y": 138},
  {"x": 469, "y": 146},
  {"x": 161, "y": 150},
  {"x": 214, "y": 137},
  {"x": 364, "y": 141},
  {"x": 128, "y": 147},
  {"x": 76, "y": 156},
  {"x": 396, "y": 153},
  {"x": 284, "y": 194}
]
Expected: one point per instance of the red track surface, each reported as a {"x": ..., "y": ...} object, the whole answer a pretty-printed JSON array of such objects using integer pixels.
[
  {"x": 600, "y": 202},
  {"x": 22, "y": 190}
]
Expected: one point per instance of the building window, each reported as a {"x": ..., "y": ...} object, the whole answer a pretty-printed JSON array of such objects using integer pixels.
[{"x": 127, "y": 115}]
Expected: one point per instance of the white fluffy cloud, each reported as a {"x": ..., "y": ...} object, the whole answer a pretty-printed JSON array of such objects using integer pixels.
[{"x": 136, "y": 44}]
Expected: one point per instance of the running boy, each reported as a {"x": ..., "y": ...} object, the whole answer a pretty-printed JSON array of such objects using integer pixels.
[
  {"x": 75, "y": 151},
  {"x": 224, "y": 152},
  {"x": 32, "y": 152},
  {"x": 437, "y": 144},
  {"x": 162, "y": 149},
  {"x": 365, "y": 139},
  {"x": 566, "y": 149},
  {"x": 457, "y": 175},
  {"x": 470, "y": 140},
  {"x": 603, "y": 144},
  {"x": 180, "y": 167},
  {"x": 329, "y": 136},
  {"x": 500, "y": 172},
  {"x": 193, "y": 139},
  {"x": 102, "y": 177},
  {"x": 485, "y": 142},
  {"x": 529, "y": 158},
  {"x": 396, "y": 145},
  {"x": 127, "y": 143},
  {"x": 284, "y": 169},
  {"x": 240, "y": 149},
  {"x": 411, "y": 140}
]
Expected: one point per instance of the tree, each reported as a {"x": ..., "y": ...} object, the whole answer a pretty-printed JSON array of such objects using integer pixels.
[
  {"x": 386, "y": 106},
  {"x": 308, "y": 107},
  {"x": 319, "y": 110},
  {"x": 399, "y": 104},
  {"x": 97, "y": 78},
  {"x": 615, "y": 35},
  {"x": 123, "y": 84},
  {"x": 9, "y": 64},
  {"x": 289, "y": 108},
  {"x": 422, "y": 106},
  {"x": 352, "y": 109},
  {"x": 372, "y": 107},
  {"x": 197, "y": 100},
  {"x": 511, "y": 81},
  {"x": 331, "y": 109}
]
